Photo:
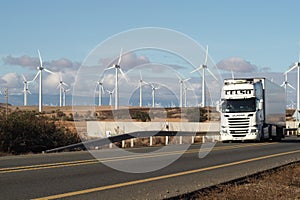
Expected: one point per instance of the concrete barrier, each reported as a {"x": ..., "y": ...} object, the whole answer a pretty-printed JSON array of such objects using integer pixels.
[{"x": 100, "y": 129}]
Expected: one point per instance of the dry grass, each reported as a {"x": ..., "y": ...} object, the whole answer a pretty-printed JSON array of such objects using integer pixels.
[{"x": 282, "y": 183}]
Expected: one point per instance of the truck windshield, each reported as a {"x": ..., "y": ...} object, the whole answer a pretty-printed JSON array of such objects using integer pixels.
[{"x": 238, "y": 105}]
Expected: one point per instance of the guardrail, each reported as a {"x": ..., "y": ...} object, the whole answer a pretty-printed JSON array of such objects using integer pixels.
[
  {"x": 290, "y": 131},
  {"x": 139, "y": 134}
]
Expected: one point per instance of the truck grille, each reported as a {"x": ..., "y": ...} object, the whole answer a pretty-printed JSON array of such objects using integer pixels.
[{"x": 238, "y": 126}]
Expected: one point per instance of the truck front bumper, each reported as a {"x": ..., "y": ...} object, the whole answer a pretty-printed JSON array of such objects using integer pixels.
[{"x": 251, "y": 135}]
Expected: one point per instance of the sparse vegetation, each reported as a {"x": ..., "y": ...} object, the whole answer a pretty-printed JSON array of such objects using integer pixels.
[
  {"x": 196, "y": 114},
  {"x": 27, "y": 131},
  {"x": 282, "y": 183},
  {"x": 141, "y": 116}
]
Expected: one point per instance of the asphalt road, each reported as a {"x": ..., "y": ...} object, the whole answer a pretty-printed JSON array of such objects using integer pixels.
[{"x": 78, "y": 175}]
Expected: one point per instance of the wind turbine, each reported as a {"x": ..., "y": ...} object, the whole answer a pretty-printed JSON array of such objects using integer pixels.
[
  {"x": 117, "y": 68},
  {"x": 110, "y": 96},
  {"x": 286, "y": 84},
  {"x": 100, "y": 90},
  {"x": 204, "y": 67},
  {"x": 61, "y": 89},
  {"x": 141, "y": 90},
  {"x": 153, "y": 94},
  {"x": 40, "y": 73},
  {"x": 296, "y": 65},
  {"x": 64, "y": 95},
  {"x": 181, "y": 84},
  {"x": 185, "y": 92},
  {"x": 25, "y": 90}
]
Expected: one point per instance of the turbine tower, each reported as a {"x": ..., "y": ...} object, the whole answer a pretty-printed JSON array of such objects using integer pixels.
[
  {"x": 296, "y": 65},
  {"x": 185, "y": 94},
  {"x": 204, "y": 67},
  {"x": 141, "y": 82},
  {"x": 181, "y": 85},
  {"x": 153, "y": 94},
  {"x": 25, "y": 90},
  {"x": 100, "y": 91},
  {"x": 64, "y": 96},
  {"x": 117, "y": 68},
  {"x": 61, "y": 89},
  {"x": 110, "y": 96},
  {"x": 40, "y": 69},
  {"x": 286, "y": 84}
]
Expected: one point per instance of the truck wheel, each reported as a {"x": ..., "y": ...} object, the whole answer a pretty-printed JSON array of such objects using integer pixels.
[
  {"x": 262, "y": 135},
  {"x": 279, "y": 134}
]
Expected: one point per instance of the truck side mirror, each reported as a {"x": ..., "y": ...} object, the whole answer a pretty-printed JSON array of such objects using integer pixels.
[{"x": 260, "y": 104}]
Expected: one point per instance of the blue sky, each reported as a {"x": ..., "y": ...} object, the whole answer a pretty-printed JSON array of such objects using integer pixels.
[{"x": 265, "y": 34}]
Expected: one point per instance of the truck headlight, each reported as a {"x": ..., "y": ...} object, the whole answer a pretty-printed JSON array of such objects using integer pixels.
[{"x": 253, "y": 130}]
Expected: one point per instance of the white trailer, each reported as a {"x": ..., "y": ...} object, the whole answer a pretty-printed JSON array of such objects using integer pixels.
[{"x": 252, "y": 109}]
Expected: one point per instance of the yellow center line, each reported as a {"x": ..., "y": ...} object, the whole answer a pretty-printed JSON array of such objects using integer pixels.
[
  {"x": 113, "y": 159},
  {"x": 81, "y": 192}
]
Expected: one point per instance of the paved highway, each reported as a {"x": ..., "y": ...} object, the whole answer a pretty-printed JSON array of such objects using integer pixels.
[{"x": 78, "y": 175}]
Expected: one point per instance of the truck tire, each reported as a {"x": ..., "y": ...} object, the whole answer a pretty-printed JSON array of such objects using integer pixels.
[{"x": 279, "y": 134}]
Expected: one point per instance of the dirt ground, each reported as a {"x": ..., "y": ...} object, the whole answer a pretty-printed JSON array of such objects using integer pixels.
[{"x": 282, "y": 183}]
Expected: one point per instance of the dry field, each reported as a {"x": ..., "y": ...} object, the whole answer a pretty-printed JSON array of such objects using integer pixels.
[{"x": 281, "y": 183}]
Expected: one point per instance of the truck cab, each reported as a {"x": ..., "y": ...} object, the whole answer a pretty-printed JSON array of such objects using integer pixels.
[
  {"x": 251, "y": 109},
  {"x": 241, "y": 110}
]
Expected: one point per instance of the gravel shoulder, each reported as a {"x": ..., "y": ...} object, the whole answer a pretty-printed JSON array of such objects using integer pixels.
[{"x": 280, "y": 183}]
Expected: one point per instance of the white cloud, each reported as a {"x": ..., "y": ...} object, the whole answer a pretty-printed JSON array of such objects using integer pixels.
[
  {"x": 23, "y": 61},
  {"x": 10, "y": 80},
  {"x": 129, "y": 60},
  {"x": 236, "y": 64},
  {"x": 33, "y": 62}
]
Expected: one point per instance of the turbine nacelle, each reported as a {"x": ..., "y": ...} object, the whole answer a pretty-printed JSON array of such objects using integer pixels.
[{"x": 117, "y": 66}]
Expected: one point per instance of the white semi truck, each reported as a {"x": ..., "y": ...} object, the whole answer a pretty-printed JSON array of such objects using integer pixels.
[{"x": 252, "y": 109}]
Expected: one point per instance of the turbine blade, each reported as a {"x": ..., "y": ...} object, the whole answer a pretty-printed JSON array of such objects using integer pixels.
[
  {"x": 29, "y": 91},
  {"x": 112, "y": 67},
  {"x": 197, "y": 69},
  {"x": 212, "y": 74},
  {"x": 120, "y": 57},
  {"x": 179, "y": 77},
  {"x": 47, "y": 70},
  {"x": 24, "y": 78},
  {"x": 282, "y": 84},
  {"x": 41, "y": 61},
  {"x": 186, "y": 79},
  {"x": 292, "y": 68},
  {"x": 37, "y": 74},
  {"x": 65, "y": 84},
  {"x": 299, "y": 53},
  {"x": 291, "y": 86},
  {"x": 60, "y": 76},
  {"x": 141, "y": 78},
  {"x": 206, "y": 56},
  {"x": 232, "y": 75},
  {"x": 123, "y": 74},
  {"x": 145, "y": 82}
]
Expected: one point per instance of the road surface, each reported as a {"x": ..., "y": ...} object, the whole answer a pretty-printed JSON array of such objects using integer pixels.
[{"x": 78, "y": 175}]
